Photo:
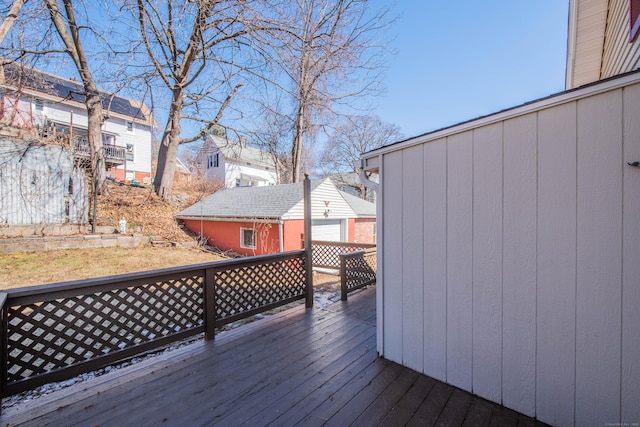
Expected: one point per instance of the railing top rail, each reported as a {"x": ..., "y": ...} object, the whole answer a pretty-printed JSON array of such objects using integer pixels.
[
  {"x": 353, "y": 254},
  {"x": 356, "y": 254},
  {"x": 131, "y": 279},
  {"x": 343, "y": 244}
]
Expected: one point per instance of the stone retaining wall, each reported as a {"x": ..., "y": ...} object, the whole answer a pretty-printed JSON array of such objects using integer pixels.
[{"x": 48, "y": 243}]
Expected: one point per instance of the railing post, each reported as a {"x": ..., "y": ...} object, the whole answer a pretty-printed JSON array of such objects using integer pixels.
[
  {"x": 343, "y": 277},
  {"x": 4, "y": 343},
  {"x": 210, "y": 304},
  {"x": 307, "y": 240}
]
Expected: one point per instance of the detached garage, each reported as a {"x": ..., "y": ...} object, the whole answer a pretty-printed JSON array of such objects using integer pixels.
[
  {"x": 262, "y": 220},
  {"x": 509, "y": 255}
]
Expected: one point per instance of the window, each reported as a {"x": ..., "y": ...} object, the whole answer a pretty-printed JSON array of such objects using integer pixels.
[
  {"x": 38, "y": 105},
  {"x": 129, "y": 152},
  {"x": 213, "y": 161},
  {"x": 634, "y": 19},
  {"x": 129, "y": 126},
  {"x": 248, "y": 238}
]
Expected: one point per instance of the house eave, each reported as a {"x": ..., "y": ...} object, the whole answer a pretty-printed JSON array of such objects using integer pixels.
[
  {"x": 268, "y": 220},
  {"x": 590, "y": 89}
]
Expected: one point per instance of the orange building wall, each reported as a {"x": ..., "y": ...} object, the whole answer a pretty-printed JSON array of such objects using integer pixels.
[
  {"x": 226, "y": 235},
  {"x": 293, "y": 234}
]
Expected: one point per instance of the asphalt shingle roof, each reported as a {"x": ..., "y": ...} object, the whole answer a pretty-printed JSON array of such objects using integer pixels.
[
  {"x": 361, "y": 207},
  {"x": 39, "y": 81},
  {"x": 249, "y": 202}
]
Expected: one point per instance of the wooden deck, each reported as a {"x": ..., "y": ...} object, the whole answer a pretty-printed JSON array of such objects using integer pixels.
[{"x": 298, "y": 367}]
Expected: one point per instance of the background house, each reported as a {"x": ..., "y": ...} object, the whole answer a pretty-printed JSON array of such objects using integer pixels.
[
  {"x": 268, "y": 219},
  {"x": 236, "y": 164},
  {"x": 602, "y": 40},
  {"x": 509, "y": 267},
  {"x": 37, "y": 104},
  {"x": 349, "y": 182}
]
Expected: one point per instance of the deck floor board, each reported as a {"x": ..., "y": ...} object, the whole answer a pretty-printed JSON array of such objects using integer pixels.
[{"x": 296, "y": 367}]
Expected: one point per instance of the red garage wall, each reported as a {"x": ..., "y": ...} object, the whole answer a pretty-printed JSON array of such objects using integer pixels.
[
  {"x": 226, "y": 235},
  {"x": 292, "y": 234}
]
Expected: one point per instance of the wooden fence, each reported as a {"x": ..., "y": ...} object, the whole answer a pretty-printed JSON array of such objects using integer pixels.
[
  {"x": 357, "y": 269},
  {"x": 54, "y": 332}
]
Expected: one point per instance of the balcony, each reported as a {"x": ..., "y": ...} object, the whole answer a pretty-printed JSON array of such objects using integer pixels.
[
  {"x": 114, "y": 155},
  {"x": 299, "y": 366}
]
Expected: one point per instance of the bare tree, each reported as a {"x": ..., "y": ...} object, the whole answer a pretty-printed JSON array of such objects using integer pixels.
[
  {"x": 352, "y": 137},
  {"x": 7, "y": 23},
  {"x": 69, "y": 31},
  {"x": 330, "y": 58},
  {"x": 194, "y": 47}
]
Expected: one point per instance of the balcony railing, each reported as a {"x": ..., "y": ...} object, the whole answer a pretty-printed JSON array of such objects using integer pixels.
[
  {"x": 357, "y": 269},
  {"x": 54, "y": 332},
  {"x": 113, "y": 154},
  {"x": 327, "y": 254}
]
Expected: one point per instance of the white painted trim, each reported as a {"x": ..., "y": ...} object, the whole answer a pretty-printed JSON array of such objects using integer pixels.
[
  {"x": 230, "y": 219},
  {"x": 551, "y": 101},
  {"x": 379, "y": 263},
  {"x": 255, "y": 232},
  {"x": 571, "y": 43}
]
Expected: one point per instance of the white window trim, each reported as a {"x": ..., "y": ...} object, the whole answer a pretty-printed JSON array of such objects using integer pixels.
[
  {"x": 131, "y": 152},
  {"x": 242, "y": 230}
]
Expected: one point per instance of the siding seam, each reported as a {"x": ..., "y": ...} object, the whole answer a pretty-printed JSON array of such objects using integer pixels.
[
  {"x": 575, "y": 272},
  {"x": 473, "y": 207}
]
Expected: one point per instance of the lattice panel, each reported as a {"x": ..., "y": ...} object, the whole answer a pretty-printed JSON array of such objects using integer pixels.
[
  {"x": 360, "y": 270},
  {"x": 54, "y": 334},
  {"x": 329, "y": 256},
  {"x": 249, "y": 287}
]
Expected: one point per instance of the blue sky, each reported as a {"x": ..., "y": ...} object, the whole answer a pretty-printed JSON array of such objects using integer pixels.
[{"x": 457, "y": 60}]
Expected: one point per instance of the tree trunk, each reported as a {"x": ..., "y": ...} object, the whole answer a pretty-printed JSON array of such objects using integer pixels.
[
  {"x": 296, "y": 147},
  {"x": 168, "y": 151},
  {"x": 94, "y": 139},
  {"x": 71, "y": 38}
]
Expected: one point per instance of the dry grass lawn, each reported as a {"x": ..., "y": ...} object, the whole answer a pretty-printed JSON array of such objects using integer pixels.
[{"x": 37, "y": 268}]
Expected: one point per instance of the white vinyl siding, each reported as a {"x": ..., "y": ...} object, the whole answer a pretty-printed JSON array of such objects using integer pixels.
[
  {"x": 619, "y": 55},
  {"x": 586, "y": 41},
  {"x": 518, "y": 235},
  {"x": 325, "y": 197}
]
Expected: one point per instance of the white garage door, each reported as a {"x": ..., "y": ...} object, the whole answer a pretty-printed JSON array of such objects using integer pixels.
[{"x": 328, "y": 230}]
